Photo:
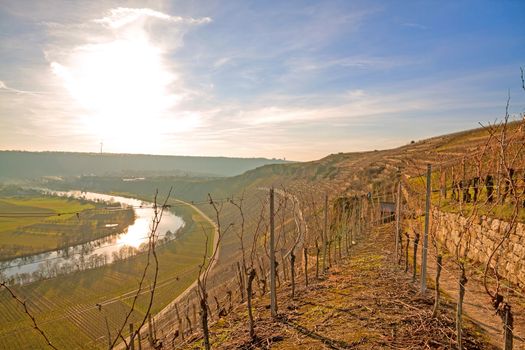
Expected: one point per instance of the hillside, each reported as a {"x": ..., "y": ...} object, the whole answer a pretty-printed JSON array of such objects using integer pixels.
[
  {"x": 363, "y": 302},
  {"x": 459, "y": 155},
  {"x": 253, "y": 175},
  {"x": 362, "y": 290},
  {"x": 356, "y": 172},
  {"x": 26, "y": 165}
]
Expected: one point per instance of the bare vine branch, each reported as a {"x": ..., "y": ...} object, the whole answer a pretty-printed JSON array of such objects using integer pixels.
[
  {"x": 23, "y": 303},
  {"x": 152, "y": 240}
]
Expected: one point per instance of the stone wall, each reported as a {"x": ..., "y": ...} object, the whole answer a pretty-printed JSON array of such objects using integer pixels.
[{"x": 485, "y": 234}]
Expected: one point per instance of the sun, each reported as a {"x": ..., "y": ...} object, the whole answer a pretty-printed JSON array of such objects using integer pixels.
[{"x": 124, "y": 87}]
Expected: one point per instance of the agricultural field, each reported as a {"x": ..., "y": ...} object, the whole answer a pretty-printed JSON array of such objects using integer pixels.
[
  {"x": 34, "y": 224},
  {"x": 73, "y": 309}
]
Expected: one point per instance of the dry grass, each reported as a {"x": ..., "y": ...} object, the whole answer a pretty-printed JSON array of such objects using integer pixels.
[{"x": 364, "y": 303}]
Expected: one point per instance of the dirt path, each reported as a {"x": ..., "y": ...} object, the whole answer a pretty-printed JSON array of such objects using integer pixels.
[
  {"x": 477, "y": 303},
  {"x": 364, "y": 303}
]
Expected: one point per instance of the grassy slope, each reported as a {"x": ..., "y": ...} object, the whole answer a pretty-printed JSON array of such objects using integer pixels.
[
  {"x": 65, "y": 306},
  {"x": 364, "y": 303}
]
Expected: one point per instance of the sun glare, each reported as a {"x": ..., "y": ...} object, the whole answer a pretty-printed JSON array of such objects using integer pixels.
[
  {"x": 123, "y": 85},
  {"x": 135, "y": 235}
]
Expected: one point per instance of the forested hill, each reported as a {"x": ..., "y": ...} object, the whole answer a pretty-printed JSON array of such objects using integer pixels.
[{"x": 19, "y": 164}]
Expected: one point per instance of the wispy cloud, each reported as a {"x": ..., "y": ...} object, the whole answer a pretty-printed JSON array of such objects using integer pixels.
[
  {"x": 355, "y": 62},
  {"x": 414, "y": 25},
  {"x": 4, "y": 87},
  {"x": 121, "y": 16},
  {"x": 114, "y": 68},
  {"x": 222, "y": 61},
  {"x": 259, "y": 79}
]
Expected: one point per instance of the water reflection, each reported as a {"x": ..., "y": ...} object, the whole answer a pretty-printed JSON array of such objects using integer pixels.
[
  {"x": 96, "y": 253},
  {"x": 135, "y": 234}
]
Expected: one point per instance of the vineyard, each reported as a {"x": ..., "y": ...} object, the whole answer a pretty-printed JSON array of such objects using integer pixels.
[
  {"x": 254, "y": 175},
  {"x": 73, "y": 308},
  {"x": 317, "y": 229},
  {"x": 416, "y": 247}
]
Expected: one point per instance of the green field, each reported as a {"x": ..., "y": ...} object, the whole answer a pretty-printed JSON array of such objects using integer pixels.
[
  {"x": 66, "y": 306},
  {"x": 30, "y": 225}
]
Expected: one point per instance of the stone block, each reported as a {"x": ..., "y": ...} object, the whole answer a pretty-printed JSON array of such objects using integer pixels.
[{"x": 495, "y": 225}]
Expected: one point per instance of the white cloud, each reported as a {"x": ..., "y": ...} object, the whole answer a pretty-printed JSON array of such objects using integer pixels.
[
  {"x": 122, "y": 16},
  {"x": 119, "y": 74},
  {"x": 355, "y": 94},
  {"x": 361, "y": 62},
  {"x": 3, "y": 86},
  {"x": 222, "y": 61},
  {"x": 279, "y": 81},
  {"x": 109, "y": 77},
  {"x": 398, "y": 101}
]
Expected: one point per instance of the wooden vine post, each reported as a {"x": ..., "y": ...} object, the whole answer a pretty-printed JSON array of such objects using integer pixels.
[
  {"x": 425, "y": 235},
  {"x": 509, "y": 327},
  {"x": 273, "y": 296},
  {"x": 131, "y": 337},
  {"x": 398, "y": 219},
  {"x": 414, "y": 257},
  {"x": 325, "y": 233}
]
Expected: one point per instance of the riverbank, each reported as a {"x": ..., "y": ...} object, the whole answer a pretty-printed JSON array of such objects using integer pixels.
[
  {"x": 34, "y": 225},
  {"x": 66, "y": 306}
]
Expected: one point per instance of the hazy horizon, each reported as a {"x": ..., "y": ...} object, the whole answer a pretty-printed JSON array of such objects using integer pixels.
[
  {"x": 104, "y": 152},
  {"x": 294, "y": 80},
  {"x": 137, "y": 154}
]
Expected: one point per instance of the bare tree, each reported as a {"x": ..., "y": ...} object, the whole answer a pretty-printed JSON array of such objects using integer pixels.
[
  {"x": 510, "y": 147},
  {"x": 205, "y": 268},
  {"x": 249, "y": 270},
  {"x": 151, "y": 261}
]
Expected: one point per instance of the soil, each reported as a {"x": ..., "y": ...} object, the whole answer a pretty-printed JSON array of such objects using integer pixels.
[{"x": 365, "y": 301}]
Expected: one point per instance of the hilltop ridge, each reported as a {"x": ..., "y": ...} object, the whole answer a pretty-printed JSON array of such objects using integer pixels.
[{"x": 23, "y": 164}]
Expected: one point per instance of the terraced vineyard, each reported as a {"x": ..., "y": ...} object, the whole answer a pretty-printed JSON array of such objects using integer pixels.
[{"x": 67, "y": 307}]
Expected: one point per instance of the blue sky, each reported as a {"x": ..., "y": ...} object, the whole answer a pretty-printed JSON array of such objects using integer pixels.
[{"x": 294, "y": 79}]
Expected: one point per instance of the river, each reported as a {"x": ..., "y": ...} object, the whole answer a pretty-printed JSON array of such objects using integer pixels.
[{"x": 98, "y": 252}]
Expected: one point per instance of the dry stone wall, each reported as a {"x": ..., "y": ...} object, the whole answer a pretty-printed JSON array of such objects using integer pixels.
[{"x": 485, "y": 234}]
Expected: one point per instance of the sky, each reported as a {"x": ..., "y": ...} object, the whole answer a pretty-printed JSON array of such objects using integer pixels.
[{"x": 277, "y": 79}]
